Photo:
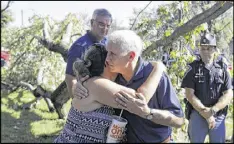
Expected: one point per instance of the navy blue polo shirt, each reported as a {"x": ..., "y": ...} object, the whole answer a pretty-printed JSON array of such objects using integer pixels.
[
  {"x": 78, "y": 48},
  {"x": 165, "y": 98}
]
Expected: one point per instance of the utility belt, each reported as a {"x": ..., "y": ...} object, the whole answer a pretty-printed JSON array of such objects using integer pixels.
[{"x": 189, "y": 108}]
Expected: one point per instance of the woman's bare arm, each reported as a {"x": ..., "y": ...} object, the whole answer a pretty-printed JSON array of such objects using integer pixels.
[
  {"x": 103, "y": 90},
  {"x": 149, "y": 87}
]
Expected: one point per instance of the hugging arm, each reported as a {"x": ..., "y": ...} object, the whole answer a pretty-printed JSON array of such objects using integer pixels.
[
  {"x": 103, "y": 91},
  {"x": 149, "y": 87}
]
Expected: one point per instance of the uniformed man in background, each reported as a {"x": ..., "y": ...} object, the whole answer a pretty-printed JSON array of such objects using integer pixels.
[{"x": 208, "y": 91}]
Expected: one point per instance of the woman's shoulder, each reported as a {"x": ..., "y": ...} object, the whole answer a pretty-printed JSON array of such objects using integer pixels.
[{"x": 96, "y": 80}]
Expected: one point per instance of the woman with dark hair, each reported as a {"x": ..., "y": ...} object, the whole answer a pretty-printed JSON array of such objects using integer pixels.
[{"x": 89, "y": 119}]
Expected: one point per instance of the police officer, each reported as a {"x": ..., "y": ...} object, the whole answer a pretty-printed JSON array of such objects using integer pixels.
[{"x": 208, "y": 90}]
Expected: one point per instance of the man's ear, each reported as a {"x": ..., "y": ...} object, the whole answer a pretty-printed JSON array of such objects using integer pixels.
[{"x": 132, "y": 55}]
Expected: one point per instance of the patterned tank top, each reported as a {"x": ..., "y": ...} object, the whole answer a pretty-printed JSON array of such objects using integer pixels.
[{"x": 86, "y": 127}]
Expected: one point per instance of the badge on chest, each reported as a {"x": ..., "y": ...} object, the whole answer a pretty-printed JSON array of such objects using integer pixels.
[{"x": 199, "y": 74}]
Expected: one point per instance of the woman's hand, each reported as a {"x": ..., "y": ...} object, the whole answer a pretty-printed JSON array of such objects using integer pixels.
[{"x": 78, "y": 90}]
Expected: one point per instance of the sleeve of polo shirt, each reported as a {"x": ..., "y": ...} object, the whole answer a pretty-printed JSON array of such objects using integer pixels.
[
  {"x": 167, "y": 97},
  {"x": 73, "y": 53},
  {"x": 227, "y": 81},
  {"x": 188, "y": 80}
]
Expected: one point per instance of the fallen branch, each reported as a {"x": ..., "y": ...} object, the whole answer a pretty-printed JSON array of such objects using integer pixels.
[
  {"x": 8, "y": 5},
  {"x": 59, "y": 97},
  {"x": 139, "y": 14},
  {"x": 58, "y": 48},
  {"x": 39, "y": 93},
  {"x": 29, "y": 86},
  {"x": 210, "y": 14}
]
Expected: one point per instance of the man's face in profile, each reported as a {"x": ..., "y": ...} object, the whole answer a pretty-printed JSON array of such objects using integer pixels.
[{"x": 116, "y": 60}]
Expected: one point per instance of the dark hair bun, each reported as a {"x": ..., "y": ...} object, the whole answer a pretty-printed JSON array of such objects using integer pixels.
[{"x": 80, "y": 68}]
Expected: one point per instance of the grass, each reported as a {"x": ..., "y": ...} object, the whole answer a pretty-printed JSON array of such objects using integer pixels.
[{"x": 38, "y": 125}]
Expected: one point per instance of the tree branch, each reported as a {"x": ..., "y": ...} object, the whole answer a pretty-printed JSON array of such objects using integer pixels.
[
  {"x": 9, "y": 86},
  {"x": 46, "y": 34},
  {"x": 210, "y": 14},
  {"x": 139, "y": 14},
  {"x": 28, "y": 85},
  {"x": 223, "y": 27},
  {"x": 58, "y": 48},
  {"x": 8, "y": 4},
  {"x": 67, "y": 35},
  {"x": 79, "y": 34},
  {"x": 40, "y": 73},
  {"x": 16, "y": 61}
]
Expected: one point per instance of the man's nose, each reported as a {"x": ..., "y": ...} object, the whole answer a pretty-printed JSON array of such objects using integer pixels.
[{"x": 105, "y": 29}]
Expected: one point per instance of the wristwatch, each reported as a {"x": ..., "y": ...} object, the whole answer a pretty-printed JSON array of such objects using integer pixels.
[{"x": 150, "y": 115}]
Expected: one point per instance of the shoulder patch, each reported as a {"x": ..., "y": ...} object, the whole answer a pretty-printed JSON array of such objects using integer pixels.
[
  {"x": 81, "y": 44},
  {"x": 84, "y": 44}
]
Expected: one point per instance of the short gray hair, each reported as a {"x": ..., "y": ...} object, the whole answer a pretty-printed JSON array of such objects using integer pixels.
[
  {"x": 101, "y": 12},
  {"x": 126, "y": 41}
]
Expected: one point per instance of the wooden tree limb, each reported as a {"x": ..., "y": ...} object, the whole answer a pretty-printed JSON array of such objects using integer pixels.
[
  {"x": 40, "y": 72},
  {"x": 59, "y": 97},
  {"x": 223, "y": 27},
  {"x": 46, "y": 34},
  {"x": 28, "y": 85},
  {"x": 210, "y": 14},
  {"x": 67, "y": 35},
  {"x": 9, "y": 86},
  {"x": 8, "y": 5},
  {"x": 139, "y": 14},
  {"x": 16, "y": 61},
  {"x": 79, "y": 34},
  {"x": 58, "y": 48},
  {"x": 39, "y": 93}
]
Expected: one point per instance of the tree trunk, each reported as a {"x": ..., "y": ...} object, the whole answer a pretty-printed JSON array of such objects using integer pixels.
[{"x": 59, "y": 97}]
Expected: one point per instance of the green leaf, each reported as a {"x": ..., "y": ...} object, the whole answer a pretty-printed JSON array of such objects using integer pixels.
[
  {"x": 167, "y": 33},
  {"x": 158, "y": 23}
]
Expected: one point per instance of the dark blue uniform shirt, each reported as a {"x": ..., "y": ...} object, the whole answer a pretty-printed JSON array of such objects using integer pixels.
[
  {"x": 78, "y": 48},
  {"x": 208, "y": 84},
  {"x": 165, "y": 98}
]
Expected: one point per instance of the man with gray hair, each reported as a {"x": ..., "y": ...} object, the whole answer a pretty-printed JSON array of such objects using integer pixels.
[
  {"x": 150, "y": 118},
  {"x": 100, "y": 24}
]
